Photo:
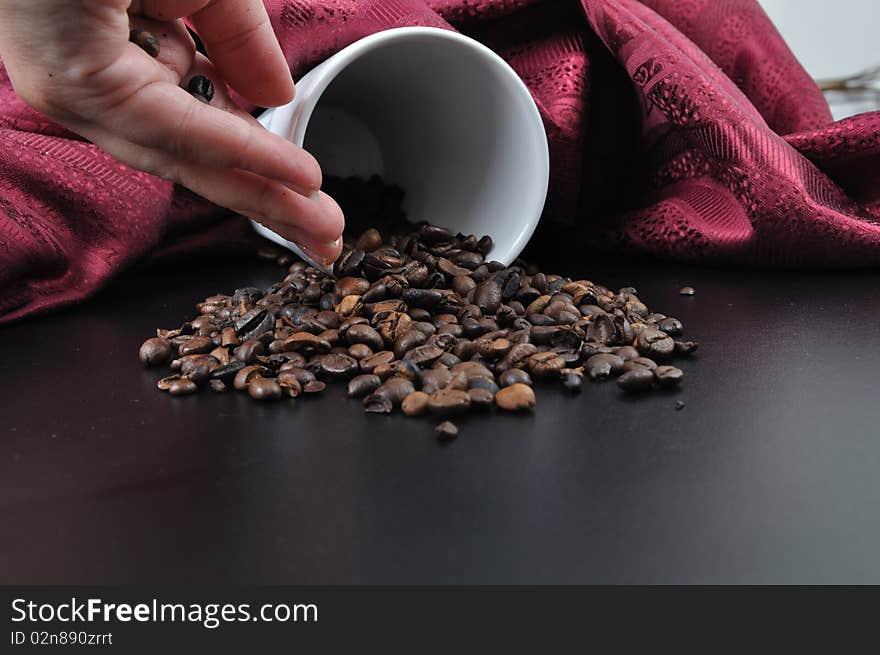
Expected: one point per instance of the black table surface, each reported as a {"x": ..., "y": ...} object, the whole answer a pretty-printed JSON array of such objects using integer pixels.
[{"x": 768, "y": 475}]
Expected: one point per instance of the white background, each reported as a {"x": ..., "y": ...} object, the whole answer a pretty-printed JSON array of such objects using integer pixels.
[{"x": 832, "y": 38}]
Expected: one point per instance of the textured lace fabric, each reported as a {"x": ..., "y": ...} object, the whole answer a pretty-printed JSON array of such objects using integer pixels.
[{"x": 680, "y": 128}]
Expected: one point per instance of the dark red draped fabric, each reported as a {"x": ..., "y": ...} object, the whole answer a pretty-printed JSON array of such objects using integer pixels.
[{"x": 680, "y": 128}]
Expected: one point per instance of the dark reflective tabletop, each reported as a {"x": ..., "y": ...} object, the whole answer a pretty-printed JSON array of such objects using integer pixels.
[{"x": 769, "y": 474}]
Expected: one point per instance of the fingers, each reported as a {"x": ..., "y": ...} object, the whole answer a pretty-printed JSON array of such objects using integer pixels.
[
  {"x": 240, "y": 42},
  {"x": 315, "y": 223},
  {"x": 238, "y": 36},
  {"x": 266, "y": 200},
  {"x": 155, "y": 114}
]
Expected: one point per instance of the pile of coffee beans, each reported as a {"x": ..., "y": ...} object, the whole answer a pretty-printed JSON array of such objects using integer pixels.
[{"x": 416, "y": 319}]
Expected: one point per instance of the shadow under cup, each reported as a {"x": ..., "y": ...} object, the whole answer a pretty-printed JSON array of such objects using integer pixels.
[{"x": 443, "y": 117}]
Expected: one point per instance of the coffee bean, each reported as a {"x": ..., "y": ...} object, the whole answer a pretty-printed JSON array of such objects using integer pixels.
[
  {"x": 145, "y": 41},
  {"x": 201, "y": 88},
  {"x": 407, "y": 341},
  {"x": 415, "y": 403},
  {"x": 679, "y": 405},
  {"x": 487, "y": 296},
  {"x": 572, "y": 380},
  {"x": 515, "y": 398},
  {"x": 602, "y": 365},
  {"x": 290, "y": 383},
  {"x": 668, "y": 376},
  {"x": 155, "y": 352},
  {"x": 369, "y": 241},
  {"x": 245, "y": 375},
  {"x": 481, "y": 398},
  {"x": 446, "y": 431},
  {"x": 514, "y": 376},
  {"x": 686, "y": 347},
  {"x": 449, "y": 401},
  {"x": 338, "y": 366},
  {"x": 654, "y": 343},
  {"x": 545, "y": 364},
  {"x": 363, "y": 385},
  {"x": 165, "y": 383},
  {"x": 671, "y": 326},
  {"x": 687, "y": 291},
  {"x": 639, "y": 362},
  {"x": 264, "y": 389},
  {"x": 182, "y": 387},
  {"x": 626, "y": 353},
  {"x": 637, "y": 379},
  {"x": 196, "y": 346},
  {"x": 313, "y": 387},
  {"x": 217, "y": 386}
]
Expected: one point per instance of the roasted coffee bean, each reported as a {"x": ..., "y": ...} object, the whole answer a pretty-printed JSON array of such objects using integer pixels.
[
  {"x": 487, "y": 296},
  {"x": 289, "y": 383},
  {"x": 196, "y": 346},
  {"x": 449, "y": 401},
  {"x": 637, "y": 379},
  {"x": 514, "y": 376},
  {"x": 248, "y": 350},
  {"x": 686, "y": 347},
  {"x": 668, "y": 376},
  {"x": 369, "y": 241},
  {"x": 227, "y": 372},
  {"x": 145, "y": 41},
  {"x": 516, "y": 398},
  {"x": 264, "y": 389},
  {"x": 165, "y": 383},
  {"x": 217, "y": 386},
  {"x": 446, "y": 431},
  {"x": 687, "y": 291},
  {"x": 201, "y": 88},
  {"x": 639, "y": 362},
  {"x": 615, "y": 363},
  {"x": 572, "y": 380},
  {"x": 547, "y": 364},
  {"x": 199, "y": 369},
  {"x": 182, "y": 387},
  {"x": 415, "y": 403},
  {"x": 337, "y": 366},
  {"x": 360, "y": 351},
  {"x": 424, "y": 355},
  {"x": 407, "y": 341},
  {"x": 155, "y": 352},
  {"x": 245, "y": 375},
  {"x": 601, "y": 329},
  {"x": 369, "y": 364},
  {"x": 655, "y": 343},
  {"x": 671, "y": 326},
  {"x": 679, "y": 405},
  {"x": 626, "y": 353},
  {"x": 313, "y": 387},
  {"x": 363, "y": 385},
  {"x": 366, "y": 335},
  {"x": 481, "y": 398}
]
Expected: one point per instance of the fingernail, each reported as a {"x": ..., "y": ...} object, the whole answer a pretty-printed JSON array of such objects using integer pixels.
[
  {"x": 315, "y": 196},
  {"x": 318, "y": 261},
  {"x": 311, "y": 194}
]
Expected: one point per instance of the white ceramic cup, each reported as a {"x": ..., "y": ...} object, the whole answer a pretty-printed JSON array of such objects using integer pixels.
[{"x": 437, "y": 113}]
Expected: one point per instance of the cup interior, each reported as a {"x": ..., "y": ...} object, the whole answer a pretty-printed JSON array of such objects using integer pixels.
[{"x": 447, "y": 120}]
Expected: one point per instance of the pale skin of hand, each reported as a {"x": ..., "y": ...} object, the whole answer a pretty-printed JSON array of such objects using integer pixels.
[{"x": 72, "y": 60}]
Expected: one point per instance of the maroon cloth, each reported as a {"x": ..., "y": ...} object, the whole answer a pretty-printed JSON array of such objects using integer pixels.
[{"x": 681, "y": 128}]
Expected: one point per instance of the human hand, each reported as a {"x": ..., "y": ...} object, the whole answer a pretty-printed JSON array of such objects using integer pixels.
[{"x": 73, "y": 62}]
